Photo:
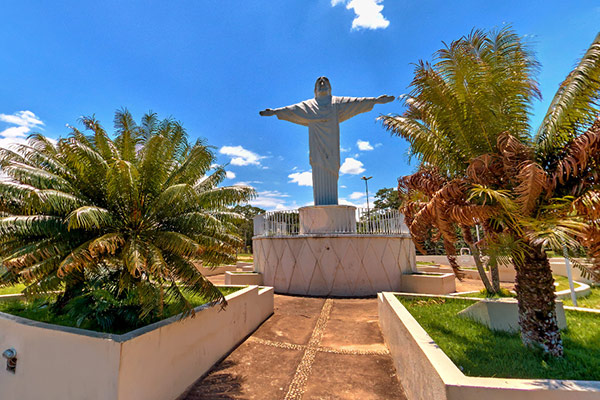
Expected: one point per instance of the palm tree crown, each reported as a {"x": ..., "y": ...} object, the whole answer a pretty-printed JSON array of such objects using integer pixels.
[{"x": 135, "y": 213}]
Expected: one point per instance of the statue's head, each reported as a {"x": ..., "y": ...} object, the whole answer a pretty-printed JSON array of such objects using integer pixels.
[{"x": 322, "y": 87}]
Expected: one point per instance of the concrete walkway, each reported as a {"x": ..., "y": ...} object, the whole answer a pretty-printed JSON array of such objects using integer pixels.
[{"x": 310, "y": 348}]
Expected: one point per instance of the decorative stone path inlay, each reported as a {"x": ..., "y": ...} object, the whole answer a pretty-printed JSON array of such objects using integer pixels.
[
  {"x": 298, "y": 384},
  {"x": 292, "y": 346}
]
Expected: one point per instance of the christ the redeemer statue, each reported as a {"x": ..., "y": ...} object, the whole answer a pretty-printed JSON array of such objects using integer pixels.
[{"x": 323, "y": 115}]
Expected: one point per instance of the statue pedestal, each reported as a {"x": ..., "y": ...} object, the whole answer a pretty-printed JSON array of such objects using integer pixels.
[
  {"x": 327, "y": 219},
  {"x": 328, "y": 257}
]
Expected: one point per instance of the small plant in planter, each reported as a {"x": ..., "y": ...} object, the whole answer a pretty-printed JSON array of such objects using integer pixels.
[{"x": 116, "y": 225}]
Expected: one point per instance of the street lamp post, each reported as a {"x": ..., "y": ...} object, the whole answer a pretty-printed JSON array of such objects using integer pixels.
[{"x": 364, "y": 178}]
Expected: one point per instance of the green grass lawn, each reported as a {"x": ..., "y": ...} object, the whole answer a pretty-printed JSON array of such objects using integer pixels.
[
  {"x": 478, "y": 351},
  {"x": 12, "y": 289},
  {"x": 484, "y": 294},
  {"x": 425, "y": 263},
  {"x": 590, "y": 301},
  {"x": 563, "y": 283},
  {"x": 38, "y": 310},
  {"x": 245, "y": 257}
]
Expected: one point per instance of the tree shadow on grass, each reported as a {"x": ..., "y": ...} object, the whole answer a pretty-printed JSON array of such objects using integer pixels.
[{"x": 218, "y": 384}]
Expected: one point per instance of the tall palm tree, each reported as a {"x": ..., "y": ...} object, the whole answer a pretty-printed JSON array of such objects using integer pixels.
[
  {"x": 479, "y": 87},
  {"x": 140, "y": 209},
  {"x": 468, "y": 122}
]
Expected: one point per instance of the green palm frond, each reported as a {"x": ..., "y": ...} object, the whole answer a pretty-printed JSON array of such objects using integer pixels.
[
  {"x": 178, "y": 244},
  {"x": 225, "y": 196},
  {"x": 574, "y": 106},
  {"x": 89, "y": 218},
  {"x": 477, "y": 88}
]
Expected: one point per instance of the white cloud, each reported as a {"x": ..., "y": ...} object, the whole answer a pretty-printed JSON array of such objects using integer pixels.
[
  {"x": 364, "y": 145},
  {"x": 247, "y": 183},
  {"x": 241, "y": 156},
  {"x": 345, "y": 150},
  {"x": 345, "y": 202},
  {"x": 270, "y": 200},
  {"x": 21, "y": 118},
  {"x": 230, "y": 174},
  {"x": 25, "y": 121},
  {"x": 367, "y": 13},
  {"x": 356, "y": 195},
  {"x": 301, "y": 178},
  {"x": 352, "y": 167}
]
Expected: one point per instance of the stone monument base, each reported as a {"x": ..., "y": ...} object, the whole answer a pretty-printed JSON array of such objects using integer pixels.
[
  {"x": 344, "y": 265},
  {"x": 327, "y": 219}
]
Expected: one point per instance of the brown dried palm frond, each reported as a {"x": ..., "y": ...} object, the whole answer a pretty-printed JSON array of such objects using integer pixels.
[
  {"x": 514, "y": 153},
  {"x": 454, "y": 191},
  {"x": 533, "y": 180},
  {"x": 588, "y": 205},
  {"x": 486, "y": 169},
  {"x": 427, "y": 180},
  {"x": 590, "y": 239},
  {"x": 470, "y": 214},
  {"x": 578, "y": 154}
]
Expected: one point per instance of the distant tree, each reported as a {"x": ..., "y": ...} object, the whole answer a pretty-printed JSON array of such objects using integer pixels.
[
  {"x": 246, "y": 226},
  {"x": 387, "y": 198}
]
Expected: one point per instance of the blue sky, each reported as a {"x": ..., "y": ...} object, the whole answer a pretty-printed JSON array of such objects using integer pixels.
[{"x": 214, "y": 64}]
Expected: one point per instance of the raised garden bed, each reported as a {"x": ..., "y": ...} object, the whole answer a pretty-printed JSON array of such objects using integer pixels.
[
  {"x": 429, "y": 282},
  {"x": 37, "y": 308},
  {"x": 243, "y": 278},
  {"x": 427, "y": 372},
  {"x": 158, "y": 361}
]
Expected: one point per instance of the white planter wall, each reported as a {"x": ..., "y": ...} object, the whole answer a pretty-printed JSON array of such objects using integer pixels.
[
  {"x": 426, "y": 372},
  {"x": 156, "y": 362}
]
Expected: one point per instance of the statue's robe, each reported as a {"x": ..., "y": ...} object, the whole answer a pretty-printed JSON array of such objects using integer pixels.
[{"x": 323, "y": 115}]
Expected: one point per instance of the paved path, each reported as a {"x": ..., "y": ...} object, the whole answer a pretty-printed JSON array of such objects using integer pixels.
[{"x": 310, "y": 348}]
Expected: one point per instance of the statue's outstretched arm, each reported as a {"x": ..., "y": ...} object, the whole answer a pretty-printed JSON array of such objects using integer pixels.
[
  {"x": 348, "y": 107},
  {"x": 296, "y": 113},
  {"x": 267, "y": 112},
  {"x": 384, "y": 98}
]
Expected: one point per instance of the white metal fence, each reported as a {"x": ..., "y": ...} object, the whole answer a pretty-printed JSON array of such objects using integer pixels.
[
  {"x": 373, "y": 222},
  {"x": 277, "y": 223}
]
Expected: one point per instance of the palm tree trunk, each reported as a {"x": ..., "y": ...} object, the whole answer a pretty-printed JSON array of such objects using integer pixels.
[
  {"x": 489, "y": 231},
  {"x": 493, "y": 265},
  {"x": 466, "y": 231},
  {"x": 535, "y": 294}
]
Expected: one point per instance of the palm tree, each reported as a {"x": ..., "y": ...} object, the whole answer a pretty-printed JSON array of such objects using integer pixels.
[
  {"x": 480, "y": 87},
  {"x": 467, "y": 121},
  {"x": 132, "y": 214}
]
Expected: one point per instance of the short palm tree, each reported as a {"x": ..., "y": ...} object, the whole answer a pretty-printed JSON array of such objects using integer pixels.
[
  {"x": 467, "y": 120},
  {"x": 133, "y": 214}
]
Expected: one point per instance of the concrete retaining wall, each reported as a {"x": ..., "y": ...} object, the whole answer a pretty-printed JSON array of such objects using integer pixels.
[
  {"x": 427, "y": 373},
  {"x": 249, "y": 278},
  {"x": 507, "y": 272},
  {"x": 156, "y": 362},
  {"x": 433, "y": 284}
]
